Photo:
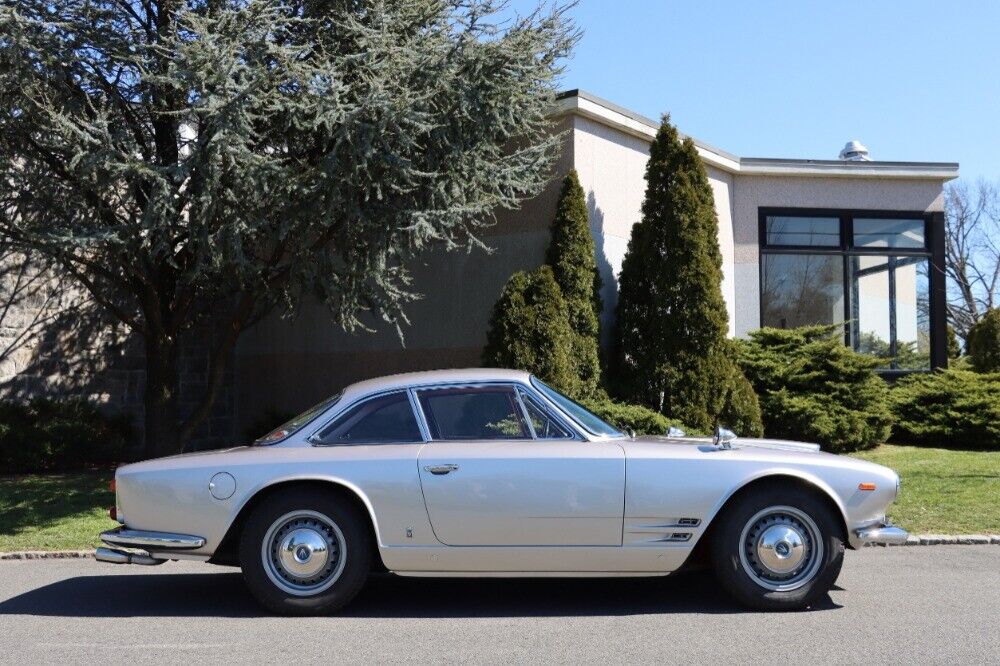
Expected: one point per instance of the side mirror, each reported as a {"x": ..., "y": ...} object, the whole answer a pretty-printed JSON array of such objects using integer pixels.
[
  {"x": 675, "y": 432},
  {"x": 723, "y": 437}
]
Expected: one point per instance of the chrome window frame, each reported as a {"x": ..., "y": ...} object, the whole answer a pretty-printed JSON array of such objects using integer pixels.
[
  {"x": 579, "y": 427},
  {"x": 311, "y": 438},
  {"x": 578, "y": 433}
]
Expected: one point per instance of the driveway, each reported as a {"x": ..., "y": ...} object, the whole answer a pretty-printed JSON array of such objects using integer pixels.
[{"x": 923, "y": 604}]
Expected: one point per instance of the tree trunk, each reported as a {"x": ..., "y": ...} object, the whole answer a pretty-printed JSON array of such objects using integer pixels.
[{"x": 162, "y": 433}]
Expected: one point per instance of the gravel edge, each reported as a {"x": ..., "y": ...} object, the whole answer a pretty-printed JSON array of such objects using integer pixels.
[{"x": 913, "y": 540}]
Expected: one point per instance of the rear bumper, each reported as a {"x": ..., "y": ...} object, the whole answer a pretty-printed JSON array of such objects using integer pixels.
[
  {"x": 151, "y": 540},
  {"x": 885, "y": 534}
]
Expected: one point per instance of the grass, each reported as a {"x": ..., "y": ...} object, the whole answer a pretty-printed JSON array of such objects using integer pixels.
[
  {"x": 943, "y": 492},
  {"x": 54, "y": 511}
]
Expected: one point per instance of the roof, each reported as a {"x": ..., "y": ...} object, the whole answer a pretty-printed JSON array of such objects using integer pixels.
[
  {"x": 460, "y": 375},
  {"x": 587, "y": 105}
]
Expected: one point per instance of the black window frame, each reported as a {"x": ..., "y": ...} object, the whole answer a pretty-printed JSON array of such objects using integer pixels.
[{"x": 933, "y": 251}]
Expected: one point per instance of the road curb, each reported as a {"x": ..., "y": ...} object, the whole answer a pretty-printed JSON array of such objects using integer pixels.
[{"x": 913, "y": 540}]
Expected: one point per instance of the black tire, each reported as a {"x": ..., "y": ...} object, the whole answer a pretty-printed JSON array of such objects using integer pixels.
[
  {"x": 734, "y": 571},
  {"x": 356, "y": 549}
]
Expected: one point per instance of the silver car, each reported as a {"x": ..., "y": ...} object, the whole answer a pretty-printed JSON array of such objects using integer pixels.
[{"x": 489, "y": 472}]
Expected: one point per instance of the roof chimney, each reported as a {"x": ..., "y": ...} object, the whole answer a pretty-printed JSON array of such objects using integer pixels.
[{"x": 855, "y": 151}]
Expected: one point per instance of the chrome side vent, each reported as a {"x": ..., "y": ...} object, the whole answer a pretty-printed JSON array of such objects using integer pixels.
[
  {"x": 675, "y": 537},
  {"x": 689, "y": 522}
]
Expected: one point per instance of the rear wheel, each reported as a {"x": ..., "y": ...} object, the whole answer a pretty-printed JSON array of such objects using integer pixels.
[
  {"x": 778, "y": 548},
  {"x": 305, "y": 553}
]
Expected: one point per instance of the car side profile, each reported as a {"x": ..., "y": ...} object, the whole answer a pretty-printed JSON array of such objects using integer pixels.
[{"x": 487, "y": 472}]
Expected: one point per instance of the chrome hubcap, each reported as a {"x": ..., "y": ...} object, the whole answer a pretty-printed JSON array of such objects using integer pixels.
[
  {"x": 303, "y": 552},
  {"x": 781, "y": 548}
]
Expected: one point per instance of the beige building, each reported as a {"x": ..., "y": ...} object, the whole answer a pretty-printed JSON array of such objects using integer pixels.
[{"x": 803, "y": 241}]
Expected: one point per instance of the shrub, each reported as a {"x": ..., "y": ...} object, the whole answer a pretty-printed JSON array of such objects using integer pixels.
[
  {"x": 574, "y": 265},
  {"x": 530, "y": 330},
  {"x": 46, "y": 435},
  {"x": 948, "y": 408},
  {"x": 636, "y": 418},
  {"x": 813, "y": 388},
  {"x": 671, "y": 350},
  {"x": 983, "y": 342}
]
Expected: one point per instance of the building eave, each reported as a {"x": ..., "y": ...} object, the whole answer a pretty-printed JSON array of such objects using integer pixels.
[{"x": 584, "y": 104}]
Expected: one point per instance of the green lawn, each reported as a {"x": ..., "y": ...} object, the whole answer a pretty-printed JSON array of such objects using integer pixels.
[
  {"x": 944, "y": 492},
  {"x": 54, "y": 512}
]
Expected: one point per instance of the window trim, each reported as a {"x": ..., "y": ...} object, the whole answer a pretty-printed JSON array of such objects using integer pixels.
[
  {"x": 313, "y": 440},
  {"x": 933, "y": 251}
]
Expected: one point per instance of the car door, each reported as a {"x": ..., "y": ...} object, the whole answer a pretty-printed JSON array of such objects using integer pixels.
[{"x": 500, "y": 470}]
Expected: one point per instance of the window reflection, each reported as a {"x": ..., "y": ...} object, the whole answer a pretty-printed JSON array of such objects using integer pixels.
[
  {"x": 890, "y": 310},
  {"x": 802, "y": 289}
]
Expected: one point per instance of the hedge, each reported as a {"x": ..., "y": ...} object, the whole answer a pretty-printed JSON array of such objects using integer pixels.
[
  {"x": 636, "y": 418},
  {"x": 948, "y": 408},
  {"x": 48, "y": 436}
]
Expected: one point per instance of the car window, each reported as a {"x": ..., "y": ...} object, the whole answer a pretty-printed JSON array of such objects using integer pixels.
[
  {"x": 544, "y": 425},
  {"x": 473, "y": 413},
  {"x": 289, "y": 427},
  {"x": 581, "y": 415},
  {"x": 387, "y": 419}
]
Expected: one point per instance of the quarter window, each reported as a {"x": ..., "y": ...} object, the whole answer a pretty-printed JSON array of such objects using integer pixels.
[
  {"x": 385, "y": 419},
  {"x": 487, "y": 412},
  {"x": 544, "y": 426}
]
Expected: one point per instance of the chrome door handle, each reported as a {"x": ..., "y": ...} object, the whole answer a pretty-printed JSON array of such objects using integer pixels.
[{"x": 440, "y": 469}]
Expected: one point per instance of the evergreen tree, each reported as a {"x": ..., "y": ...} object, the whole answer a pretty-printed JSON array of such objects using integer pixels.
[
  {"x": 195, "y": 164},
  {"x": 571, "y": 254},
  {"x": 672, "y": 353},
  {"x": 530, "y": 330}
]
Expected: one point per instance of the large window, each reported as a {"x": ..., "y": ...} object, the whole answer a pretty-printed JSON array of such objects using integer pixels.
[
  {"x": 386, "y": 419},
  {"x": 871, "y": 270}
]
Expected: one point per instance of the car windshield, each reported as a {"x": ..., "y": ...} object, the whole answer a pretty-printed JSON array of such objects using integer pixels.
[
  {"x": 296, "y": 423},
  {"x": 592, "y": 423}
]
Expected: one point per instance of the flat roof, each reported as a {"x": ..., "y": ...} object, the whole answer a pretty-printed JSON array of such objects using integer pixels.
[{"x": 588, "y": 105}]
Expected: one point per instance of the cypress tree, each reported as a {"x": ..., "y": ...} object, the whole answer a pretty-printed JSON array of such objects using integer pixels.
[
  {"x": 672, "y": 353},
  {"x": 530, "y": 330},
  {"x": 571, "y": 254}
]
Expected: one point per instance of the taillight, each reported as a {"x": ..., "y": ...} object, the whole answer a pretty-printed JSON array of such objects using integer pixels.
[
  {"x": 112, "y": 484},
  {"x": 113, "y": 512}
]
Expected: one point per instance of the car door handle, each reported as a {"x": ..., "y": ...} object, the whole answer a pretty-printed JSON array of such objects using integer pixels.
[{"x": 441, "y": 469}]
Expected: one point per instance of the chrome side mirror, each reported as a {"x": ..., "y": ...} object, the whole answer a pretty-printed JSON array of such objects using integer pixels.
[
  {"x": 676, "y": 432},
  {"x": 723, "y": 437}
]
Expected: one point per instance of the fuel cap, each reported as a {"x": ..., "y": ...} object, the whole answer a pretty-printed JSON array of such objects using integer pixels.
[{"x": 222, "y": 486}]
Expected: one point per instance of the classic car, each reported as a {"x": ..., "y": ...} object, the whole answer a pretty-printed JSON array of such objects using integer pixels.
[{"x": 486, "y": 472}]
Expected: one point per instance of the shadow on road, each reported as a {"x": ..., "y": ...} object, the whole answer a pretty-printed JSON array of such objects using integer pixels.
[{"x": 224, "y": 595}]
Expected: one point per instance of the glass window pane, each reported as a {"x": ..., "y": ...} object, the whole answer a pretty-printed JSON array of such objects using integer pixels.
[
  {"x": 544, "y": 425},
  {"x": 473, "y": 413},
  {"x": 582, "y": 416},
  {"x": 803, "y": 231},
  {"x": 891, "y": 310},
  {"x": 801, "y": 289},
  {"x": 870, "y": 232},
  {"x": 386, "y": 419}
]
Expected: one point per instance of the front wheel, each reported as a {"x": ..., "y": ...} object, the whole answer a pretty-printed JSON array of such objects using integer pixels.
[
  {"x": 305, "y": 553},
  {"x": 778, "y": 549}
]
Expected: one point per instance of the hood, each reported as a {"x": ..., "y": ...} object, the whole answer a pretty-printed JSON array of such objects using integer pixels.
[{"x": 740, "y": 443}]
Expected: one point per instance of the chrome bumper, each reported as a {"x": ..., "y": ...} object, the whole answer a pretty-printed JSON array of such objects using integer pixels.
[
  {"x": 151, "y": 540},
  {"x": 889, "y": 535}
]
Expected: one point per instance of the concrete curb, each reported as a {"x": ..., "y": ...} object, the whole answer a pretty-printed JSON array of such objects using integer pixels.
[{"x": 914, "y": 540}]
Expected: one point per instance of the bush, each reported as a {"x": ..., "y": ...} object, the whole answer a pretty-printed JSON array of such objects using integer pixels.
[
  {"x": 813, "y": 388},
  {"x": 48, "y": 436},
  {"x": 530, "y": 330},
  {"x": 636, "y": 418},
  {"x": 983, "y": 342},
  {"x": 948, "y": 408}
]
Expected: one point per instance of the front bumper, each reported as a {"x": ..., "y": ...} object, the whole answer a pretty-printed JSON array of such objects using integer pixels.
[
  {"x": 150, "y": 541},
  {"x": 885, "y": 534}
]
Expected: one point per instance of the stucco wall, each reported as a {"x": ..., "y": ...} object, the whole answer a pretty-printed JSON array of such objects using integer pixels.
[
  {"x": 750, "y": 193},
  {"x": 612, "y": 168}
]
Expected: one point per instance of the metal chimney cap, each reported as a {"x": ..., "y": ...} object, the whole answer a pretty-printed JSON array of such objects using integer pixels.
[{"x": 855, "y": 151}]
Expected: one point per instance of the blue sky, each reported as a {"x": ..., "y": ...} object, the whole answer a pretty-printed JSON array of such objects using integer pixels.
[{"x": 913, "y": 80}]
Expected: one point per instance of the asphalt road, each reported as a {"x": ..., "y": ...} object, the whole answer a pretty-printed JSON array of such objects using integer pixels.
[{"x": 917, "y": 604}]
